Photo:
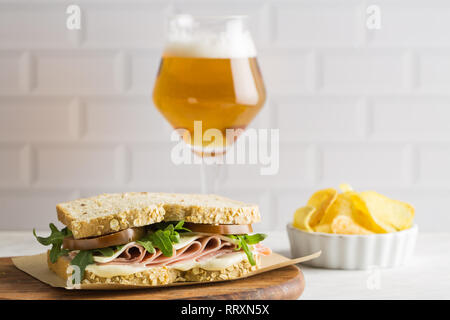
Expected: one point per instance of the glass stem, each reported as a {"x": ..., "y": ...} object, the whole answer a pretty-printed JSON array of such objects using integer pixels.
[{"x": 212, "y": 176}]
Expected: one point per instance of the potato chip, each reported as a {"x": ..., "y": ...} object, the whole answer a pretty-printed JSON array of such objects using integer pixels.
[
  {"x": 341, "y": 206},
  {"x": 325, "y": 228},
  {"x": 351, "y": 212},
  {"x": 302, "y": 217},
  {"x": 364, "y": 217},
  {"x": 345, "y": 187},
  {"x": 321, "y": 200},
  {"x": 397, "y": 214},
  {"x": 346, "y": 225}
]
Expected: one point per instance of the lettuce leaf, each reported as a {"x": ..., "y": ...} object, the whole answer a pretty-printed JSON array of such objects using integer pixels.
[
  {"x": 254, "y": 238},
  {"x": 82, "y": 260},
  {"x": 162, "y": 236},
  {"x": 162, "y": 240},
  {"x": 243, "y": 242},
  {"x": 147, "y": 244},
  {"x": 55, "y": 239},
  {"x": 106, "y": 252}
]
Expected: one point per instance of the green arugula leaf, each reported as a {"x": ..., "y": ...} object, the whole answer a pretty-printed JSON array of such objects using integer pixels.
[
  {"x": 106, "y": 252},
  {"x": 175, "y": 237},
  {"x": 82, "y": 260},
  {"x": 55, "y": 235},
  {"x": 147, "y": 244},
  {"x": 179, "y": 226},
  {"x": 162, "y": 241},
  {"x": 254, "y": 238},
  {"x": 56, "y": 252},
  {"x": 247, "y": 250},
  {"x": 237, "y": 240},
  {"x": 162, "y": 236},
  {"x": 55, "y": 239},
  {"x": 243, "y": 242},
  {"x": 86, "y": 257}
]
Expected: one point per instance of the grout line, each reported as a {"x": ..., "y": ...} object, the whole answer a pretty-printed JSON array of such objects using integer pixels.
[
  {"x": 409, "y": 168},
  {"x": 414, "y": 164},
  {"x": 32, "y": 167},
  {"x": 122, "y": 165},
  {"x": 316, "y": 71},
  {"x": 367, "y": 118},
  {"x": 26, "y": 165},
  {"x": 318, "y": 164},
  {"x": 26, "y": 73},
  {"x": 363, "y": 36},
  {"x": 269, "y": 31},
  {"x": 76, "y": 115},
  {"x": 412, "y": 70},
  {"x": 123, "y": 72}
]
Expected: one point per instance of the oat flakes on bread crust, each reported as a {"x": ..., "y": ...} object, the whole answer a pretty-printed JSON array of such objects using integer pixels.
[
  {"x": 153, "y": 276},
  {"x": 109, "y": 213},
  {"x": 206, "y": 208},
  {"x": 232, "y": 272},
  {"x": 158, "y": 275}
]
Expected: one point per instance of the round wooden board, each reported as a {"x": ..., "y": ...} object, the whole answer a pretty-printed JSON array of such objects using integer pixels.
[{"x": 283, "y": 284}]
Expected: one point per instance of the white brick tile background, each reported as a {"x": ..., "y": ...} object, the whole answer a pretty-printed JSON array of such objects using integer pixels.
[{"x": 367, "y": 107}]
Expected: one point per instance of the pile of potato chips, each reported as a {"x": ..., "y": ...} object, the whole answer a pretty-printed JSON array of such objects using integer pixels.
[{"x": 353, "y": 212}]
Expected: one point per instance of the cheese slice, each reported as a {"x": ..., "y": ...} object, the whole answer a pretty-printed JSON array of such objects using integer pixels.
[
  {"x": 220, "y": 236},
  {"x": 213, "y": 264},
  {"x": 186, "y": 240},
  {"x": 113, "y": 270},
  {"x": 102, "y": 259}
]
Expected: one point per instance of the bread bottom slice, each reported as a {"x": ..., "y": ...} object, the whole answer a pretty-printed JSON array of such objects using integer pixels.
[{"x": 157, "y": 276}]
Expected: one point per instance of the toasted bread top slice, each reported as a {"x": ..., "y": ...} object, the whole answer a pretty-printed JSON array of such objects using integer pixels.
[
  {"x": 109, "y": 213},
  {"x": 206, "y": 208}
]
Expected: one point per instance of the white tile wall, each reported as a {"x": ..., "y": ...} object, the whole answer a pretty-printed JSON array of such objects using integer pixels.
[
  {"x": 368, "y": 107},
  {"x": 11, "y": 76},
  {"x": 362, "y": 71}
]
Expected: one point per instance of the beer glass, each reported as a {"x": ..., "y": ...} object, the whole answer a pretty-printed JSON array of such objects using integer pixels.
[{"x": 209, "y": 81}]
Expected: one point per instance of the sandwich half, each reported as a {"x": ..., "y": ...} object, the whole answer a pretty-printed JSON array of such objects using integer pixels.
[{"x": 154, "y": 239}]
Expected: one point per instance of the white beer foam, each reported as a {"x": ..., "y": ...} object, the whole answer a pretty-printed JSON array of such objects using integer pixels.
[{"x": 185, "y": 41}]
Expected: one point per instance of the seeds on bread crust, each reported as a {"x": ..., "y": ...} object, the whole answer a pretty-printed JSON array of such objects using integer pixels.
[{"x": 109, "y": 213}]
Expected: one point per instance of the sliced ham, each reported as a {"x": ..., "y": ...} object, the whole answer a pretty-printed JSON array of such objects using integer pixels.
[
  {"x": 132, "y": 254},
  {"x": 186, "y": 253},
  {"x": 261, "y": 249},
  {"x": 209, "y": 247},
  {"x": 213, "y": 244},
  {"x": 215, "y": 254},
  {"x": 203, "y": 248}
]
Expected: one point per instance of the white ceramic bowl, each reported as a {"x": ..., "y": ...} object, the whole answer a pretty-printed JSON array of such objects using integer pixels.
[{"x": 353, "y": 251}]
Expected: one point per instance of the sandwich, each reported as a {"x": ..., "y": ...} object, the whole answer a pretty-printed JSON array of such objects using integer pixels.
[{"x": 152, "y": 239}]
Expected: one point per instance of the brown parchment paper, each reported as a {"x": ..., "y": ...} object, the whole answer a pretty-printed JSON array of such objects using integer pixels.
[{"x": 36, "y": 266}]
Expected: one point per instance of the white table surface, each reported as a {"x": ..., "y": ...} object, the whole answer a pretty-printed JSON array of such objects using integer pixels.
[{"x": 427, "y": 275}]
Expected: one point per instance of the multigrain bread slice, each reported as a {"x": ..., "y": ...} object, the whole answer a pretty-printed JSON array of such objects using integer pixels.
[
  {"x": 109, "y": 213},
  {"x": 157, "y": 276},
  {"x": 153, "y": 276},
  {"x": 206, "y": 208}
]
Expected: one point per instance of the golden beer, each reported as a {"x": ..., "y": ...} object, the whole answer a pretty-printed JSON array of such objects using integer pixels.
[{"x": 223, "y": 93}]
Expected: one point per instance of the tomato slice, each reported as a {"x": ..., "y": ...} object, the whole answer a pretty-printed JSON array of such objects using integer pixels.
[
  {"x": 113, "y": 239},
  {"x": 219, "y": 228}
]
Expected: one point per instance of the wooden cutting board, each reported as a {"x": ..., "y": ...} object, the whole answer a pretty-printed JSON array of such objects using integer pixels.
[{"x": 284, "y": 283}]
